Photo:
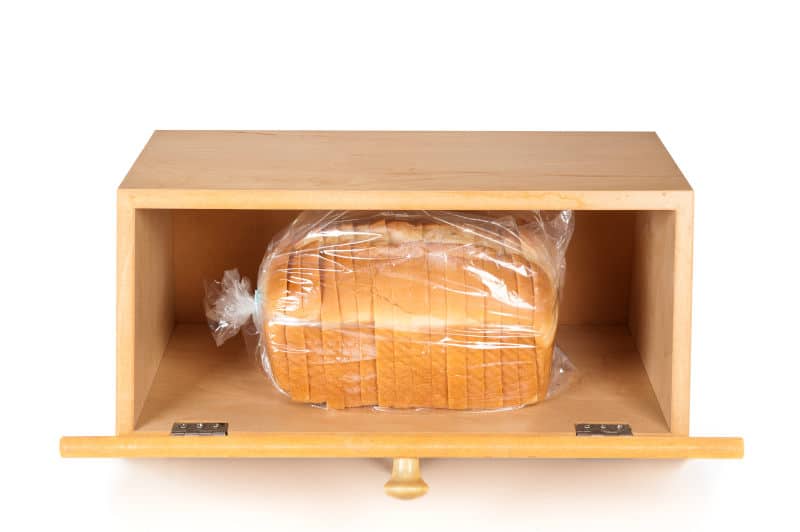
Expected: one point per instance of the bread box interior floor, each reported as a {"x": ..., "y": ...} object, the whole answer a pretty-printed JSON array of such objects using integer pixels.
[
  {"x": 198, "y": 382},
  {"x": 615, "y": 326}
]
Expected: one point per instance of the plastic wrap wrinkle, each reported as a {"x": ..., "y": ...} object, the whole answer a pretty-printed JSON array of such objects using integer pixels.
[{"x": 407, "y": 309}]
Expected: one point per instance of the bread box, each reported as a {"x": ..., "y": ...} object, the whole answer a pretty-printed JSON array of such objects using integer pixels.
[{"x": 198, "y": 202}]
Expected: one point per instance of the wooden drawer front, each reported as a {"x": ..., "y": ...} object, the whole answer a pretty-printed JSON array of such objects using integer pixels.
[{"x": 393, "y": 445}]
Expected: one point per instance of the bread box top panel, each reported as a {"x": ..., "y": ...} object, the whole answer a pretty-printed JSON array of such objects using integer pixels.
[{"x": 296, "y": 161}]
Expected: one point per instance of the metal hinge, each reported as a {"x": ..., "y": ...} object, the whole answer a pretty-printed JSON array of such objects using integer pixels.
[
  {"x": 199, "y": 429},
  {"x": 603, "y": 429}
]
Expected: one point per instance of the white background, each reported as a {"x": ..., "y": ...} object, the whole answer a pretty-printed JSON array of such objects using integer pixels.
[{"x": 84, "y": 84}]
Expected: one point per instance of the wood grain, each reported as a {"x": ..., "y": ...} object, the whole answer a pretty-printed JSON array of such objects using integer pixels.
[
  {"x": 419, "y": 161},
  {"x": 651, "y": 316},
  {"x": 660, "y": 307},
  {"x": 126, "y": 312},
  {"x": 289, "y": 199},
  {"x": 682, "y": 318},
  {"x": 355, "y": 445},
  {"x": 144, "y": 275}
]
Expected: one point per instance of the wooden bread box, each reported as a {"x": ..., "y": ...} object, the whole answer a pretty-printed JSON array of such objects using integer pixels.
[{"x": 196, "y": 203}]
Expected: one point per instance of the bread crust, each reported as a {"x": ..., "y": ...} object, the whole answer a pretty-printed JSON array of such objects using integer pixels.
[{"x": 545, "y": 317}]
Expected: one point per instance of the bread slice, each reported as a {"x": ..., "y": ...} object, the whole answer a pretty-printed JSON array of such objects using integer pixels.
[
  {"x": 527, "y": 369},
  {"x": 423, "y": 377},
  {"x": 410, "y": 314},
  {"x": 361, "y": 245},
  {"x": 508, "y": 318},
  {"x": 330, "y": 323},
  {"x": 493, "y": 332},
  {"x": 275, "y": 341},
  {"x": 437, "y": 318},
  {"x": 382, "y": 309},
  {"x": 348, "y": 306},
  {"x": 455, "y": 284},
  {"x": 400, "y": 247},
  {"x": 476, "y": 334},
  {"x": 295, "y": 339},
  {"x": 312, "y": 302}
]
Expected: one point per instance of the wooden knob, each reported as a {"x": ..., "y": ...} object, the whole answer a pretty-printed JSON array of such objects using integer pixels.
[{"x": 406, "y": 482}]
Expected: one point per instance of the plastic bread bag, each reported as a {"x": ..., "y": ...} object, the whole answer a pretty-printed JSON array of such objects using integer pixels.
[{"x": 406, "y": 309}]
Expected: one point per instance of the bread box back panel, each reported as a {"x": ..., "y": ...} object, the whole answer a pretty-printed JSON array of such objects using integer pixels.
[{"x": 198, "y": 202}]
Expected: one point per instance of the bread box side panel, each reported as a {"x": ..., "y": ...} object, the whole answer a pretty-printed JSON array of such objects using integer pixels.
[
  {"x": 145, "y": 304},
  {"x": 660, "y": 307}
]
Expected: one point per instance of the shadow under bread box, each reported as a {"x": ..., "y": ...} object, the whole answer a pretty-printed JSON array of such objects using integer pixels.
[{"x": 196, "y": 203}]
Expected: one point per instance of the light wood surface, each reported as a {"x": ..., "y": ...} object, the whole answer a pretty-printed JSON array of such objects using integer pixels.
[
  {"x": 405, "y": 160},
  {"x": 599, "y": 263},
  {"x": 660, "y": 307},
  {"x": 145, "y": 309},
  {"x": 404, "y": 170},
  {"x": 155, "y": 307},
  {"x": 406, "y": 482},
  {"x": 199, "y": 382},
  {"x": 253, "y": 199},
  {"x": 126, "y": 312},
  {"x": 652, "y": 304},
  {"x": 356, "y": 445},
  {"x": 682, "y": 318}
]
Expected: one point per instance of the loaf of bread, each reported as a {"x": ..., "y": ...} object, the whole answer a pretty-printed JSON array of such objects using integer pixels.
[{"x": 410, "y": 310}]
